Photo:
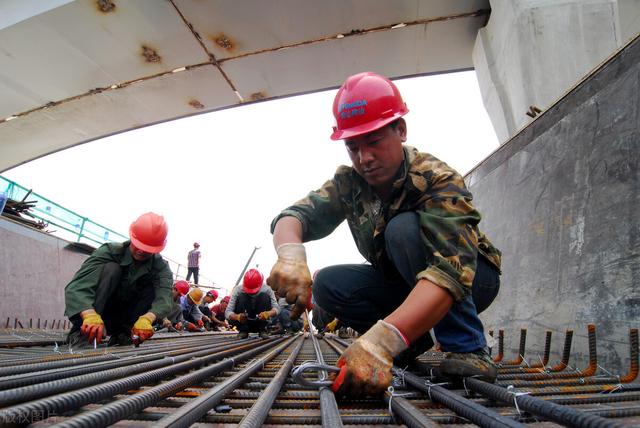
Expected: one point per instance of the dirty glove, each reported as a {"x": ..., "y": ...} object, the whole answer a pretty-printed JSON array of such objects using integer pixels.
[
  {"x": 178, "y": 326},
  {"x": 191, "y": 327},
  {"x": 265, "y": 315},
  {"x": 241, "y": 318},
  {"x": 200, "y": 323},
  {"x": 331, "y": 327},
  {"x": 290, "y": 277},
  {"x": 92, "y": 325},
  {"x": 366, "y": 364},
  {"x": 142, "y": 328}
]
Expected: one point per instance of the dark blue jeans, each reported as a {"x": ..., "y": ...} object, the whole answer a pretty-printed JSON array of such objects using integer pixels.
[{"x": 360, "y": 295}]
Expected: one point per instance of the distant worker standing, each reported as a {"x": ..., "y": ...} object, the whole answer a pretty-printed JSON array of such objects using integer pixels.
[
  {"x": 252, "y": 305},
  {"x": 412, "y": 219},
  {"x": 193, "y": 263},
  {"x": 121, "y": 288}
]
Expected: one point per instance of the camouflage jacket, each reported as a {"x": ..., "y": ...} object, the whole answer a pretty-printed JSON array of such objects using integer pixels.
[
  {"x": 424, "y": 185},
  {"x": 80, "y": 293}
]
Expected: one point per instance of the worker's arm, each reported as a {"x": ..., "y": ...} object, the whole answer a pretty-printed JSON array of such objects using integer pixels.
[
  {"x": 366, "y": 364},
  {"x": 287, "y": 230},
  {"x": 80, "y": 293},
  {"x": 423, "y": 308},
  {"x": 290, "y": 277}
]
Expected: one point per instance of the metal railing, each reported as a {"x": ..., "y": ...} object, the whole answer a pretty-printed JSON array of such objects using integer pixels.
[{"x": 74, "y": 227}]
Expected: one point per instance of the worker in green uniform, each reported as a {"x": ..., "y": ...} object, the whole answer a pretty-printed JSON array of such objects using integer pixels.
[
  {"x": 121, "y": 288},
  {"x": 412, "y": 218}
]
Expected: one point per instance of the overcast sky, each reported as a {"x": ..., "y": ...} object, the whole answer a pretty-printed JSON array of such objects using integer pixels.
[{"x": 219, "y": 178}]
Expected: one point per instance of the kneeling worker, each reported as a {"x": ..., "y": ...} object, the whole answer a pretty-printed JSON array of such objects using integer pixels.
[
  {"x": 413, "y": 220},
  {"x": 252, "y": 305},
  {"x": 121, "y": 288}
]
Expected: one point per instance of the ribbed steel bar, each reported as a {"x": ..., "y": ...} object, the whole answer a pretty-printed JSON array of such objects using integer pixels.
[
  {"x": 328, "y": 406},
  {"x": 533, "y": 366},
  {"x": 498, "y": 358},
  {"x": 260, "y": 409},
  {"x": 115, "y": 411},
  {"x": 106, "y": 354},
  {"x": 411, "y": 416},
  {"x": 464, "y": 407},
  {"x": 31, "y": 378},
  {"x": 198, "y": 407},
  {"x": 58, "y": 404},
  {"x": 521, "y": 349},
  {"x": 590, "y": 370},
  {"x": 554, "y": 412},
  {"x": 32, "y": 392}
]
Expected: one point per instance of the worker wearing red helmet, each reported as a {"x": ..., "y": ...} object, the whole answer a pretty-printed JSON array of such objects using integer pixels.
[
  {"x": 252, "y": 306},
  {"x": 210, "y": 320},
  {"x": 174, "y": 317},
  {"x": 219, "y": 310},
  {"x": 412, "y": 219},
  {"x": 121, "y": 288}
]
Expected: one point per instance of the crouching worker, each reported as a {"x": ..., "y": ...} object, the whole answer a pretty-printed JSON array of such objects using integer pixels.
[
  {"x": 121, "y": 288},
  {"x": 252, "y": 306},
  {"x": 173, "y": 320},
  {"x": 192, "y": 317},
  {"x": 413, "y": 220}
]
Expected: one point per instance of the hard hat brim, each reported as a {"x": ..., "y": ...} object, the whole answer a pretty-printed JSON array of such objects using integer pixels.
[
  {"x": 356, "y": 131},
  {"x": 144, "y": 247}
]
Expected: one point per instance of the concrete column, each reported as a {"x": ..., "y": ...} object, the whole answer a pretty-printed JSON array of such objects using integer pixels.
[{"x": 532, "y": 51}]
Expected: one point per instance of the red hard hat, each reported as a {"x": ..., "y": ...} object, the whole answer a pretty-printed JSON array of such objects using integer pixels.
[
  {"x": 212, "y": 293},
  {"x": 149, "y": 233},
  {"x": 225, "y": 299},
  {"x": 366, "y": 102},
  {"x": 182, "y": 286},
  {"x": 252, "y": 281}
]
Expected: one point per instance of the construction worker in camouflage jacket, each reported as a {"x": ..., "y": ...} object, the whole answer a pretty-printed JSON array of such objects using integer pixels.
[{"x": 412, "y": 219}]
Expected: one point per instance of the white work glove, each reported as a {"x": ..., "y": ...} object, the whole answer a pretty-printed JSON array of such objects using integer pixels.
[{"x": 290, "y": 277}]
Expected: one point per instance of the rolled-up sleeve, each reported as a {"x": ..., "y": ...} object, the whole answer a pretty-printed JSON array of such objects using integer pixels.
[{"x": 449, "y": 222}]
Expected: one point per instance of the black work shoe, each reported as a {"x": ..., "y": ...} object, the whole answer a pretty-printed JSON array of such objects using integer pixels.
[
  {"x": 477, "y": 364},
  {"x": 243, "y": 335},
  {"x": 120, "y": 339},
  {"x": 263, "y": 335}
]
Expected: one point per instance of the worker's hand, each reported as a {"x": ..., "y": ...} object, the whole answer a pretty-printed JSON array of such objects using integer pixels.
[
  {"x": 331, "y": 327},
  {"x": 290, "y": 277},
  {"x": 166, "y": 323},
  {"x": 366, "y": 364},
  {"x": 200, "y": 323},
  {"x": 142, "y": 328},
  {"x": 178, "y": 326},
  {"x": 92, "y": 325},
  {"x": 265, "y": 315},
  {"x": 206, "y": 319},
  {"x": 242, "y": 318},
  {"x": 191, "y": 327}
]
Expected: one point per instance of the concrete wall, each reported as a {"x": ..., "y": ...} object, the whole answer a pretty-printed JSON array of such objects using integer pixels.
[
  {"x": 561, "y": 200},
  {"x": 532, "y": 51},
  {"x": 34, "y": 269}
]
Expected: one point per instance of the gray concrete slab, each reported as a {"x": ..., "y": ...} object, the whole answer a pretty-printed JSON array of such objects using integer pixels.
[
  {"x": 34, "y": 269},
  {"x": 561, "y": 200}
]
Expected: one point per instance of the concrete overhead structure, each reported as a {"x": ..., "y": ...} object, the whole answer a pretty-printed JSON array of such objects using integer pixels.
[
  {"x": 532, "y": 51},
  {"x": 75, "y": 71}
]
